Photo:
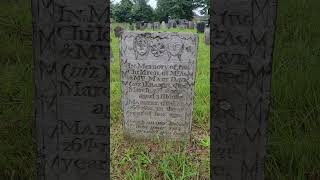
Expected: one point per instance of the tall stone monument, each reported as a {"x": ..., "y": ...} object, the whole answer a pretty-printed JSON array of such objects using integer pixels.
[
  {"x": 241, "y": 61},
  {"x": 71, "y": 58},
  {"x": 157, "y": 84}
]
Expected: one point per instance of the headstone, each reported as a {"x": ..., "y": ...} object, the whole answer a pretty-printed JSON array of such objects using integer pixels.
[
  {"x": 156, "y": 25},
  {"x": 174, "y": 24},
  {"x": 241, "y": 77},
  {"x": 71, "y": 58},
  {"x": 200, "y": 27},
  {"x": 191, "y": 25},
  {"x": 170, "y": 23},
  {"x": 118, "y": 31},
  {"x": 206, "y": 37},
  {"x": 150, "y": 26},
  {"x": 157, "y": 83},
  {"x": 163, "y": 25}
]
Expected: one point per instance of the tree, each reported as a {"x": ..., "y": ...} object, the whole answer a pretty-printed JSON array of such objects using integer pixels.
[
  {"x": 176, "y": 9},
  {"x": 204, "y": 5},
  {"x": 141, "y": 11},
  {"x": 122, "y": 11}
]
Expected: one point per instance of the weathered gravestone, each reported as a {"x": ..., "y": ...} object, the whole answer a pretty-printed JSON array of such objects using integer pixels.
[
  {"x": 206, "y": 37},
  {"x": 156, "y": 25},
  {"x": 174, "y": 24},
  {"x": 157, "y": 84},
  {"x": 191, "y": 25},
  {"x": 200, "y": 27},
  {"x": 71, "y": 58},
  {"x": 150, "y": 26},
  {"x": 118, "y": 31},
  {"x": 163, "y": 25},
  {"x": 242, "y": 41}
]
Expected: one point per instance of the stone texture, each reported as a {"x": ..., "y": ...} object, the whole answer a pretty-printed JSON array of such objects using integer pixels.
[
  {"x": 241, "y": 58},
  {"x": 71, "y": 89},
  {"x": 206, "y": 37},
  {"x": 157, "y": 84}
]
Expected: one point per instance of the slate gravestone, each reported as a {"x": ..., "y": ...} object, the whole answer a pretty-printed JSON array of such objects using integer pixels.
[
  {"x": 157, "y": 84},
  {"x": 200, "y": 27},
  {"x": 71, "y": 58},
  {"x": 174, "y": 24},
  {"x": 206, "y": 37},
  {"x": 150, "y": 26},
  {"x": 118, "y": 31},
  {"x": 242, "y": 41}
]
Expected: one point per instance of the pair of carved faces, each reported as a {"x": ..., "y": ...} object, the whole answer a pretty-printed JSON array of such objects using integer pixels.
[{"x": 157, "y": 46}]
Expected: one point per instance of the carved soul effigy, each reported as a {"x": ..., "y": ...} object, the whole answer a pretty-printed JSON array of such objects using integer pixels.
[{"x": 157, "y": 84}]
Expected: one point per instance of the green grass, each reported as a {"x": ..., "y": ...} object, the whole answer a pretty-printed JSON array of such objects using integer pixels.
[{"x": 293, "y": 147}]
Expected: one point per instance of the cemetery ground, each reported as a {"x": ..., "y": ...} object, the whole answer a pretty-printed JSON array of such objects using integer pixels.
[{"x": 293, "y": 145}]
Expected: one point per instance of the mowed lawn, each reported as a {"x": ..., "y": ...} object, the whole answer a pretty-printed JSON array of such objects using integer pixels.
[{"x": 293, "y": 147}]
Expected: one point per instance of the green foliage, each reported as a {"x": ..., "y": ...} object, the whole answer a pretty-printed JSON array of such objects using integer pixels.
[
  {"x": 141, "y": 11},
  {"x": 176, "y": 9},
  {"x": 122, "y": 11},
  {"x": 130, "y": 11},
  {"x": 204, "y": 5}
]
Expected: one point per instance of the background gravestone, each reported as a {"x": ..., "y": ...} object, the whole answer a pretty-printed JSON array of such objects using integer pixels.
[
  {"x": 200, "y": 27},
  {"x": 242, "y": 41},
  {"x": 156, "y": 25},
  {"x": 71, "y": 58},
  {"x": 157, "y": 84},
  {"x": 118, "y": 31},
  {"x": 190, "y": 25},
  {"x": 163, "y": 25},
  {"x": 174, "y": 24}
]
